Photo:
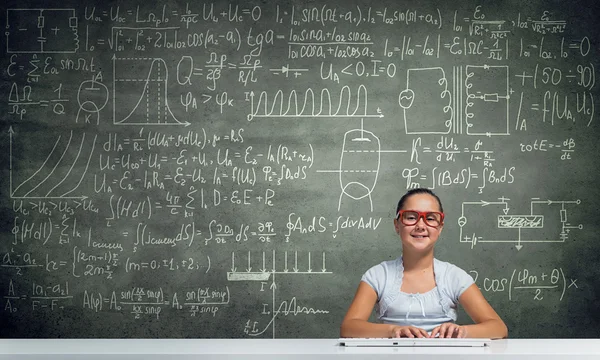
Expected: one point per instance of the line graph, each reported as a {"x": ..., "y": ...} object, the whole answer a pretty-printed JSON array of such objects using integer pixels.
[
  {"x": 142, "y": 100},
  {"x": 60, "y": 173},
  {"x": 347, "y": 104}
]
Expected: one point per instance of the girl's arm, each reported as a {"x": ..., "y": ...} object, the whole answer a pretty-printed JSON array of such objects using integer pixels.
[
  {"x": 356, "y": 324},
  {"x": 487, "y": 322}
]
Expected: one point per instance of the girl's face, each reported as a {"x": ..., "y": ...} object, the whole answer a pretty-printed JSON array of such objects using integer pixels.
[{"x": 419, "y": 236}]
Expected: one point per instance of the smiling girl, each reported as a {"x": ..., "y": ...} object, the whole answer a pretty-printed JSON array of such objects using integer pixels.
[{"x": 417, "y": 295}]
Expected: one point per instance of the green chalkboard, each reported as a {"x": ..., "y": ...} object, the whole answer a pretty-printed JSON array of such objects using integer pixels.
[{"x": 231, "y": 169}]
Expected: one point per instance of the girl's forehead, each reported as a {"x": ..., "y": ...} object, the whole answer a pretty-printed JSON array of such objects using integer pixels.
[{"x": 421, "y": 202}]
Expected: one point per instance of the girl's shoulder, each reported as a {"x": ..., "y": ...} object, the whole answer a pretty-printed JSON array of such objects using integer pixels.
[
  {"x": 445, "y": 267},
  {"x": 451, "y": 278}
]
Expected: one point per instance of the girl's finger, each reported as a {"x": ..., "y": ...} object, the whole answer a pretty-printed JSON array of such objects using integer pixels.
[
  {"x": 416, "y": 332},
  {"x": 448, "y": 332},
  {"x": 443, "y": 329},
  {"x": 454, "y": 331}
]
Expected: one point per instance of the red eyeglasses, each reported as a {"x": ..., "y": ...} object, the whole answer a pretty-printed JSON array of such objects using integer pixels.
[{"x": 411, "y": 217}]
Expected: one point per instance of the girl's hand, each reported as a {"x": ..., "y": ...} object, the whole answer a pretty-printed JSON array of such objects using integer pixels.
[
  {"x": 449, "y": 330},
  {"x": 408, "y": 332}
]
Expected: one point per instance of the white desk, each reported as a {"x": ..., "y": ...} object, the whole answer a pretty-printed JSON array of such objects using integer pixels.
[{"x": 261, "y": 349}]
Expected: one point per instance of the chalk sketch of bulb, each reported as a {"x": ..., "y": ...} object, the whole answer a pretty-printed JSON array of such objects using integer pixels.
[{"x": 359, "y": 165}]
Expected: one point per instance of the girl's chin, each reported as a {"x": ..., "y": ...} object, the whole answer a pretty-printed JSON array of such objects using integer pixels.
[
  {"x": 419, "y": 243},
  {"x": 421, "y": 246}
]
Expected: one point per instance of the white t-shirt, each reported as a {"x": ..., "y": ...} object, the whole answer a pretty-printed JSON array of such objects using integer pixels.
[{"x": 426, "y": 310}]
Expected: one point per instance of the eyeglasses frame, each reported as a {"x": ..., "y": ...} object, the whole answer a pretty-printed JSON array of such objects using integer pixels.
[{"x": 421, "y": 214}]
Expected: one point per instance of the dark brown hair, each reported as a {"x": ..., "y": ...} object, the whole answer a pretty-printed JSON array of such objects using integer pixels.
[{"x": 416, "y": 191}]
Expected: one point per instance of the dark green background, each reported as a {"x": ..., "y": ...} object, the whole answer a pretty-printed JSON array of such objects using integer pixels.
[{"x": 537, "y": 174}]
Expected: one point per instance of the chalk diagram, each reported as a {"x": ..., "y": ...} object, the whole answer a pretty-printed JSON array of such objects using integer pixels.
[
  {"x": 92, "y": 97},
  {"x": 476, "y": 103},
  {"x": 307, "y": 264},
  {"x": 360, "y": 162},
  {"x": 311, "y": 105},
  {"x": 547, "y": 222},
  {"x": 61, "y": 172},
  {"x": 359, "y": 165},
  {"x": 66, "y": 164},
  {"x": 41, "y": 30},
  {"x": 426, "y": 93},
  {"x": 487, "y": 100},
  {"x": 142, "y": 93}
]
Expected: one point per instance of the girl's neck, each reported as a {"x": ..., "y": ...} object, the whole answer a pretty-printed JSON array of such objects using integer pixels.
[{"x": 417, "y": 262}]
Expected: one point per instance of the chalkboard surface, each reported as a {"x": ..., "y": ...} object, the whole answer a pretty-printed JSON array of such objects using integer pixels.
[{"x": 231, "y": 169}]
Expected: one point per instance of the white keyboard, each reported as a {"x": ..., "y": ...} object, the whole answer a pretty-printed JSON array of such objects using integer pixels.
[{"x": 415, "y": 342}]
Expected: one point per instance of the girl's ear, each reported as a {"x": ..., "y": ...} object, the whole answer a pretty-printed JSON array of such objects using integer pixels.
[{"x": 397, "y": 226}]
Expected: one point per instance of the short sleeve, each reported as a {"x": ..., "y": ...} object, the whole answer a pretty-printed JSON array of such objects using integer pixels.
[
  {"x": 458, "y": 281},
  {"x": 376, "y": 278}
]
